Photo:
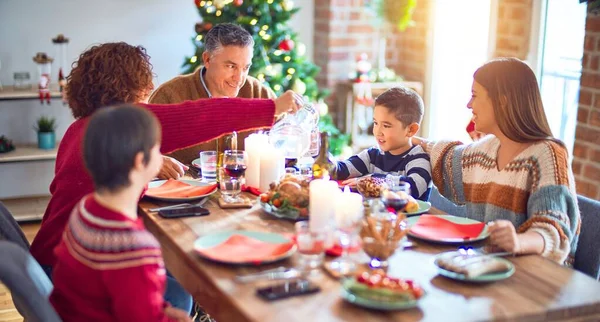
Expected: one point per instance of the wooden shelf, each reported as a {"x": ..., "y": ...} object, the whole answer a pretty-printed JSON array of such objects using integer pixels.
[
  {"x": 10, "y": 93},
  {"x": 24, "y": 153}
]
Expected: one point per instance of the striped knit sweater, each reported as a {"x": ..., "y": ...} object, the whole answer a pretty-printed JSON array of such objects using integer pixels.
[
  {"x": 108, "y": 268},
  {"x": 535, "y": 191},
  {"x": 412, "y": 166}
]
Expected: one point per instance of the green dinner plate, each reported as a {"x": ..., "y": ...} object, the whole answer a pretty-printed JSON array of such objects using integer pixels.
[
  {"x": 214, "y": 239},
  {"x": 424, "y": 207},
  {"x": 486, "y": 278},
  {"x": 373, "y": 304},
  {"x": 459, "y": 220}
]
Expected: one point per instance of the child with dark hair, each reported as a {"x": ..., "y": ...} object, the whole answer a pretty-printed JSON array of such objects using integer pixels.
[
  {"x": 396, "y": 119},
  {"x": 109, "y": 267}
]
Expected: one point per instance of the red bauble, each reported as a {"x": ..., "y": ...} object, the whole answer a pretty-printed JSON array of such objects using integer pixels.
[
  {"x": 238, "y": 3},
  {"x": 286, "y": 45},
  {"x": 197, "y": 3}
]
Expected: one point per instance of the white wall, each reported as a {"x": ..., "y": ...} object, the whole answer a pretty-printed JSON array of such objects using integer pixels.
[{"x": 164, "y": 27}]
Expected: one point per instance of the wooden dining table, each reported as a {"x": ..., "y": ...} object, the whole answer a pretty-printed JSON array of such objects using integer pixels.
[{"x": 539, "y": 290}]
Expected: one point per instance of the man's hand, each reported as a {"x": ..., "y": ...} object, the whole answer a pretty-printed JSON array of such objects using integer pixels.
[
  {"x": 177, "y": 314},
  {"x": 171, "y": 169},
  {"x": 289, "y": 102}
]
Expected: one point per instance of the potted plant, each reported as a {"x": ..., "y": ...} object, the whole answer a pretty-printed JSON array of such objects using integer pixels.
[{"x": 45, "y": 128}]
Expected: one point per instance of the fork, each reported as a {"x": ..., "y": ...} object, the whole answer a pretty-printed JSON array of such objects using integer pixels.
[{"x": 181, "y": 205}]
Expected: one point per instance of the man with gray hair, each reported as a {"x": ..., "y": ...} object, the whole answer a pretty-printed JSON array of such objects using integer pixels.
[{"x": 227, "y": 58}]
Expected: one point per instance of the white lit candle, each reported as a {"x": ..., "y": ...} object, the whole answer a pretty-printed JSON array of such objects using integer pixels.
[
  {"x": 271, "y": 164},
  {"x": 253, "y": 144},
  {"x": 348, "y": 209},
  {"x": 322, "y": 207}
]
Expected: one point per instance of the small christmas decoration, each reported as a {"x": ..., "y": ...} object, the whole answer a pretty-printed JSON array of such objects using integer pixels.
[
  {"x": 203, "y": 27},
  {"x": 44, "y": 67},
  {"x": 286, "y": 45},
  {"x": 238, "y": 3},
  {"x": 363, "y": 94},
  {"x": 61, "y": 42},
  {"x": 299, "y": 87},
  {"x": 6, "y": 145},
  {"x": 287, "y": 5}
]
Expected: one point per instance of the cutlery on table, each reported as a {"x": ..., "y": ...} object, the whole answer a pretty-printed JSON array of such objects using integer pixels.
[
  {"x": 279, "y": 273},
  {"x": 181, "y": 205}
]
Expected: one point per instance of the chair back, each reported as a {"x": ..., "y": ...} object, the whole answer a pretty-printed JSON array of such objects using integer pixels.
[
  {"x": 587, "y": 257},
  {"x": 10, "y": 230},
  {"x": 28, "y": 284},
  {"x": 440, "y": 202}
]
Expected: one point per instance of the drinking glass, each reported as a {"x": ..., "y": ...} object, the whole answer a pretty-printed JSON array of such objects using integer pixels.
[
  {"x": 348, "y": 222},
  {"x": 234, "y": 167},
  {"x": 208, "y": 165},
  {"x": 395, "y": 197},
  {"x": 311, "y": 246}
]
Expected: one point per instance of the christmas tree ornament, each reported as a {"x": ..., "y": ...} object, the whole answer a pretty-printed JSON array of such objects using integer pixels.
[
  {"x": 277, "y": 69},
  {"x": 287, "y": 5},
  {"x": 299, "y": 86},
  {"x": 286, "y": 45},
  {"x": 322, "y": 107},
  {"x": 44, "y": 63},
  {"x": 221, "y": 3},
  {"x": 238, "y": 3},
  {"x": 301, "y": 49}
]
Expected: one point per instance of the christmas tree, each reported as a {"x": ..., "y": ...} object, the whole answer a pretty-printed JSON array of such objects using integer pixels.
[{"x": 279, "y": 58}]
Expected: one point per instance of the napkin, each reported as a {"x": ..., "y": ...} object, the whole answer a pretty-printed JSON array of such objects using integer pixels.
[
  {"x": 177, "y": 189},
  {"x": 244, "y": 249},
  {"x": 252, "y": 190},
  {"x": 435, "y": 227},
  {"x": 472, "y": 266}
]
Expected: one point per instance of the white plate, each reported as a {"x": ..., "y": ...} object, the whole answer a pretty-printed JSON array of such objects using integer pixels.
[
  {"x": 459, "y": 220},
  {"x": 158, "y": 183}
]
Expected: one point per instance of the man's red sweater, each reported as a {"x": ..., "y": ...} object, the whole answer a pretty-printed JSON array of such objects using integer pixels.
[{"x": 183, "y": 125}]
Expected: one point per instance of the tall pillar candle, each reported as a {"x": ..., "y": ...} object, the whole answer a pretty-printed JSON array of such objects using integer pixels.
[
  {"x": 253, "y": 144},
  {"x": 349, "y": 209},
  {"x": 271, "y": 163},
  {"x": 321, "y": 207}
]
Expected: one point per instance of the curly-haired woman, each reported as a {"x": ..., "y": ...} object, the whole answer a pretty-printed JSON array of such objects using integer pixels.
[{"x": 115, "y": 73}]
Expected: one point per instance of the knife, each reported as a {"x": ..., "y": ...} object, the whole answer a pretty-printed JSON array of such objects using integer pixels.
[
  {"x": 275, "y": 274},
  {"x": 178, "y": 206}
]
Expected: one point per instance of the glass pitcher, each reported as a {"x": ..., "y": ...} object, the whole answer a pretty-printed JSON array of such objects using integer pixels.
[{"x": 292, "y": 134}]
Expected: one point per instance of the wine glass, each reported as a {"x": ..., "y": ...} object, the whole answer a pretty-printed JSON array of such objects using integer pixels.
[
  {"x": 349, "y": 213},
  {"x": 235, "y": 163},
  {"x": 395, "y": 197}
]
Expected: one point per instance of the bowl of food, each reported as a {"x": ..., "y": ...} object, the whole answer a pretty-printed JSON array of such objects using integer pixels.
[
  {"x": 370, "y": 187},
  {"x": 287, "y": 199},
  {"x": 379, "y": 291},
  {"x": 381, "y": 237}
]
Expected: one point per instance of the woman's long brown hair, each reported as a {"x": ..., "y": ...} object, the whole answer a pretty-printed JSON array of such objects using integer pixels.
[{"x": 515, "y": 95}]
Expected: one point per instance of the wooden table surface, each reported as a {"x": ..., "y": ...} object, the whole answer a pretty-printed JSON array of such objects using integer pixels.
[{"x": 539, "y": 290}]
